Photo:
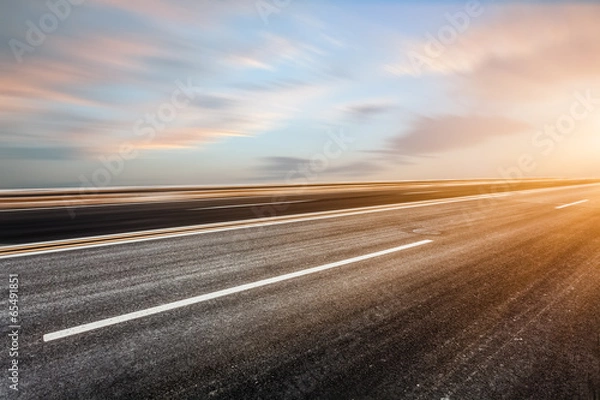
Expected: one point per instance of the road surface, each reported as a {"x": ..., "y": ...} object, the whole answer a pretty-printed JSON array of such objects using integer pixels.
[
  {"x": 44, "y": 215},
  {"x": 479, "y": 297}
]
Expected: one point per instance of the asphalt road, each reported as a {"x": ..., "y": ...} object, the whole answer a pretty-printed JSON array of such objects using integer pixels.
[
  {"x": 72, "y": 216},
  {"x": 472, "y": 298}
]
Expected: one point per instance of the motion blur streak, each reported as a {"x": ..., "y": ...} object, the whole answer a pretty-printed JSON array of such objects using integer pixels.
[{"x": 502, "y": 304}]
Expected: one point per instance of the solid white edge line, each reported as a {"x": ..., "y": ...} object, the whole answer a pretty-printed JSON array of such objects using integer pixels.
[
  {"x": 136, "y": 203},
  {"x": 221, "y": 293},
  {"x": 205, "y": 227},
  {"x": 287, "y": 219},
  {"x": 167, "y": 233},
  {"x": 572, "y": 204},
  {"x": 525, "y": 191},
  {"x": 249, "y": 205}
]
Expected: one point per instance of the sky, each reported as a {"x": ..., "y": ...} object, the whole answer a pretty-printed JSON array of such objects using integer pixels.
[{"x": 103, "y": 93}]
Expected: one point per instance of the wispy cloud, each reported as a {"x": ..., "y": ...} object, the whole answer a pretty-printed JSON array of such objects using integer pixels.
[
  {"x": 101, "y": 83},
  {"x": 113, "y": 63},
  {"x": 431, "y": 135},
  {"x": 521, "y": 51},
  {"x": 280, "y": 168},
  {"x": 368, "y": 108}
]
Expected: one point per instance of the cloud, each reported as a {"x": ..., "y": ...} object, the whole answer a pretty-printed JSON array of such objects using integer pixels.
[
  {"x": 368, "y": 109},
  {"x": 272, "y": 85},
  {"x": 273, "y": 51},
  {"x": 276, "y": 168},
  {"x": 511, "y": 71},
  {"x": 114, "y": 62},
  {"x": 65, "y": 76},
  {"x": 297, "y": 169},
  {"x": 521, "y": 52},
  {"x": 431, "y": 135},
  {"x": 559, "y": 47},
  {"x": 86, "y": 86},
  {"x": 355, "y": 169},
  {"x": 182, "y": 138},
  {"x": 192, "y": 12}
]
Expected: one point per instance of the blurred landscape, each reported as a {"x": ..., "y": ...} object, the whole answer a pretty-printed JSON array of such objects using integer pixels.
[{"x": 284, "y": 199}]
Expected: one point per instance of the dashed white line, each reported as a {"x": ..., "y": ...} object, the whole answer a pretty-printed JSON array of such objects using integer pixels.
[
  {"x": 161, "y": 234},
  {"x": 249, "y": 205},
  {"x": 221, "y": 293},
  {"x": 571, "y": 204},
  {"x": 67, "y": 206}
]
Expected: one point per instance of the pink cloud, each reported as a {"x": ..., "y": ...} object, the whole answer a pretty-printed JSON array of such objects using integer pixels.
[
  {"x": 451, "y": 132},
  {"x": 188, "y": 11},
  {"x": 518, "y": 53}
]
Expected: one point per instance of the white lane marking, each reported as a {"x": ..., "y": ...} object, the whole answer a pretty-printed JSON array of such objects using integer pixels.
[
  {"x": 221, "y": 293},
  {"x": 250, "y": 205},
  {"x": 68, "y": 206},
  {"x": 216, "y": 228},
  {"x": 572, "y": 204},
  {"x": 125, "y": 238},
  {"x": 555, "y": 188}
]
